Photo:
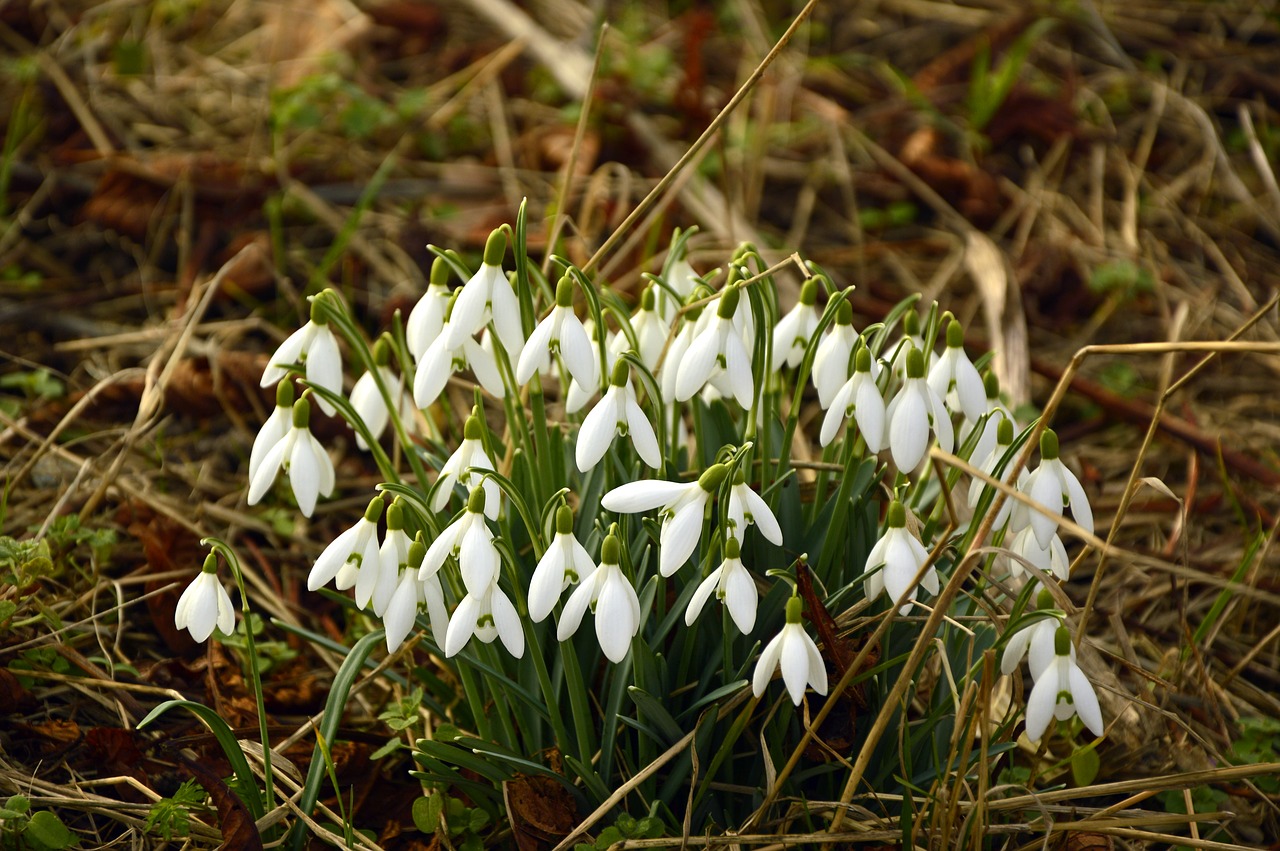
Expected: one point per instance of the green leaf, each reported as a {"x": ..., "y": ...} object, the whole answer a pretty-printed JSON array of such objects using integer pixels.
[
  {"x": 426, "y": 812},
  {"x": 48, "y": 830},
  {"x": 1084, "y": 766}
]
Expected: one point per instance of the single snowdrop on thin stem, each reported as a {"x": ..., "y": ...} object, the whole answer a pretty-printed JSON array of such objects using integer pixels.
[
  {"x": 794, "y": 330},
  {"x": 487, "y": 295},
  {"x": 617, "y": 414},
  {"x": 316, "y": 348},
  {"x": 748, "y": 508},
  {"x": 831, "y": 360},
  {"x": 1062, "y": 691},
  {"x": 393, "y": 560},
  {"x": 860, "y": 399},
  {"x": 426, "y": 320},
  {"x": 486, "y": 615},
  {"x": 650, "y": 329},
  {"x": 792, "y": 651},
  {"x": 669, "y": 369},
  {"x": 954, "y": 377},
  {"x": 733, "y": 585},
  {"x": 303, "y": 460},
  {"x": 613, "y": 599},
  {"x": 466, "y": 467},
  {"x": 899, "y": 557},
  {"x": 349, "y": 554},
  {"x": 441, "y": 360},
  {"x": 915, "y": 412},
  {"x": 274, "y": 429},
  {"x": 367, "y": 399},
  {"x": 205, "y": 604},
  {"x": 566, "y": 562},
  {"x": 1052, "y": 485},
  {"x": 1035, "y": 641},
  {"x": 561, "y": 334},
  {"x": 468, "y": 539},
  {"x": 683, "y": 506}
]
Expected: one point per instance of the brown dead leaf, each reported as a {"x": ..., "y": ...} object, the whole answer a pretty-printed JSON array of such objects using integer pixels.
[
  {"x": 237, "y": 825},
  {"x": 14, "y": 696},
  {"x": 541, "y": 811}
]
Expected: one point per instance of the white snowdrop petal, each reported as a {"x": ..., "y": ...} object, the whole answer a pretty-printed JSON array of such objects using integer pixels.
[
  {"x": 434, "y": 369},
  {"x": 304, "y": 477},
  {"x": 467, "y": 316},
  {"x": 613, "y": 620},
  {"x": 1014, "y": 650},
  {"x": 696, "y": 366},
  {"x": 287, "y": 353},
  {"x": 574, "y": 608},
  {"x": 266, "y": 474},
  {"x": 436, "y": 611},
  {"x": 817, "y": 668},
  {"x": 398, "y": 620},
  {"x": 1047, "y": 491},
  {"x": 634, "y": 497},
  {"x": 740, "y": 597},
  {"x": 679, "y": 537},
  {"x": 1086, "y": 700},
  {"x": 507, "y": 620},
  {"x": 1040, "y": 704},
  {"x": 461, "y": 626},
  {"x": 575, "y": 351},
  {"x": 324, "y": 366},
  {"x": 535, "y": 357},
  {"x": 870, "y": 413},
  {"x": 226, "y": 622},
  {"x": 738, "y": 367},
  {"x": 1041, "y": 646},
  {"x": 598, "y": 431},
  {"x": 762, "y": 516},
  {"x": 794, "y": 661},
  {"x": 767, "y": 665},
  {"x": 272, "y": 432},
  {"x": 1081, "y": 511},
  {"x": 642, "y": 435},
  {"x": 909, "y": 430},
  {"x": 547, "y": 582},
  {"x": 701, "y": 595},
  {"x": 478, "y": 557}
]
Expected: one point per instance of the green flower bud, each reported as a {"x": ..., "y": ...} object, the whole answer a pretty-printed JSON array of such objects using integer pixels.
[
  {"x": 439, "y": 272},
  {"x": 809, "y": 292},
  {"x": 495, "y": 247},
  {"x": 896, "y": 516},
  {"x": 374, "y": 510},
  {"x": 728, "y": 302},
  {"x": 710, "y": 480},
  {"x": 473, "y": 429},
  {"x": 564, "y": 292},
  {"x": 302, "y": 411},
  {"x": 284, "y": 393},
  {"x": 794, "y": 606},
  {"x": 564, "y": 520},
  {"x": 1048, "y": 445},
  {"x": 1062, "y": 641},
  {"x": 210, "y": 563},
  {"x": 955, "y": 335},
  {"x": 732, "y": 549},
  {"x": 475, "y": 502},
  {"x": 915, "y": 363}
]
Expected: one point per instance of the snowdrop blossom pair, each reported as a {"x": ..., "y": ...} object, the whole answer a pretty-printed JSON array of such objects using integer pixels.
[
  {"x": 205, "y": 604},
  {"x": 442, "y": 358},
  {"x": 899, "y": 557},
  {"x": 1052, "y": 486},
  {"x": 718, "y": 355},
  {"x": 732, "y": 584},
  {"x": 1037, "y": 642},
  {"x": 296, "y": 451},
  {"x": 316, "y": 348},
  {"x": 613, "y": 599},
  {"x": 487, "y": 296},
  {"x": 792, "y": 651},
  {"x": 465, "y": 467},
  {"x": 566, "y": 562}
]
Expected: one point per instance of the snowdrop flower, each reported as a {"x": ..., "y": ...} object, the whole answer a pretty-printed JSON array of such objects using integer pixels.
[
  {"x": 618, "y": 413},
  {"x": 350, "y": 553},
  {"x": 415, "y": 588},
  {"x": 426, "y": 320},
  {"x": 914, "y": 411},
  {"x": 831, "y": 360},
  {"x": 717, "y": 350},
  {"x": 682, "y": 509},
  {"x": 792, "y": 334},
  {"x": 732, "y": 584},
  {"x": 682, "y": 280},
  {"x": 488, "y": 295},
  {"x": 314, "y": 346},
  {"x": 860, "y": 398},
  {"x": 486, "y": 615},
  {"x": 274, "y": 429},
  {"x": 611, "y": 597},
  {"x": 442, "y": 360},
  {"x": 746, "y": 507},
  {"x": 303, "y": 459},
  {"x": 996, "y": 412},
  {"x": 794, "y": 652},
  {"x": 1051, "y": 559},
  {"x": 566, "y": 562},
  {"x": 1038, "y": 638},
  {"x": 670, "y": 368},
  {"x": 560, "y": 333},
  {"x": 468, "y": 539},
  {"x": 205, "y": 604},
  {"x": 954, "y": 371},
  {"x": 650, "y": 329},
  {"x": 988, "y": 465},
  {"x": 369, "y": 403},
  {"x": 377, "y": 581},
  {"x": 900, "y": 556},
  {"x": 1062, "y": 691},
  {"x": 461, "y": 468},
  {"x": 912, "y": 338},
  {"x": 1052, "y": 485}
]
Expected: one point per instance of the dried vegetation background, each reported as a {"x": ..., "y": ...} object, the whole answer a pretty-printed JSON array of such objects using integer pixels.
[{"x": 178, "y": 174}]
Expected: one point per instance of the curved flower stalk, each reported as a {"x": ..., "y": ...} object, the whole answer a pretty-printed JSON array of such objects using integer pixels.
[
  {"x": 410, "y": 592},
  {"x": 274, "y": 430},
  {"x": 612, "y": 598},
  {"x": 426, "y": 320},
  {"x": 954, "y": 377},
  {"x": 560, "y": 333},
  {"x": 717, "y": 351},
  {"x": 1052, "y": 485},
  {"x": 349, "y": 554},
  {"x": 733, "y": 585},
  {"x": 617, "y": 414},
  {"x": 996, "y": 412},
  {"x": 205, "y": 604},
  {"x": 831, "y": 360},
  {"x": 748, "y": 508},
  {"x": 1036, "y": 642},
  {"x": 566, "y": 562},
  {"x": 860, "y": 399},
  {"x": 303, "y": 460},
  {"x": 442, "y": 360},
  {"x": 465, "y": 467},
  {"x": 792, "y": 333},
  {"x": 488, "y": 295},
  {"x": 1062, "y": 691},
  {"x": 988, "y": 465},
  {"x": 486, "y": 615},
  {"x": 914, "y": 412},
  {"x": 900, "y": 557},
  {"x": 470, "y": 541},
  {"x": 314, "y": 346},
  {"x": 792, "y": 651},
  {"x": 369, "y": 403},
  {"x": 683, "y": 506}
]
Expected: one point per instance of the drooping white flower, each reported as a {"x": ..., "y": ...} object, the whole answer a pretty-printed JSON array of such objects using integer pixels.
[
  {"x": 579, "y": 395},
  {"x": 717, "y": 351},
  {"x": 912, "y": 338},
  {"x": 746, "y": 507},
  {"x": 314, "y": 346},
  {"x": 794, "y": 330},
  {"x": 650, "y": 329},
  {"x": 1052, "y": 485},
  {"x": 471, "y": 541},
  {"x": 464, "y": 467},
  {"x": 860, "y": 398},
  {"x": 1062, "y": 691},
  {"x": 303, "y": 459},
  {"x": 732, "y": 584},
  {"x": 831, "y": 360},
  {"x": 559, "y": 333},
  {"x": 274, "y": 429},
  {"x": 411, "y": 591},
  {"x": 955, "y": 373},
  {"x": 996, "y": 412},
  {"x": 486, "y": 615},
  {"x": 205, "y": 604},
  {"x": 999, "y": 449},
  {"x": 566, "y": 562},
  {"x": 617, "y": 413},
  {"x": 914, "y": 412},
  {"x": 1036, "y": 641},
  {"x": 367, "y": 399},
  {"x": 669, "y": 369},
  {"x": 488, "y": 295},
  {"x": 612, "y": 598},
  {"x": 426, "y": 320},
  {"x": 441, "y": 360},
  {"x": 350, "y": 553},
  {"x": 682, "y": 280},
  {"x": 682, "y": 508},
  {"x": 1051, "y": 559},
  {"x": 899, "y": 556},
  {"x": 794, "y": 652},
  {"x": 393, "y": 560}
]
